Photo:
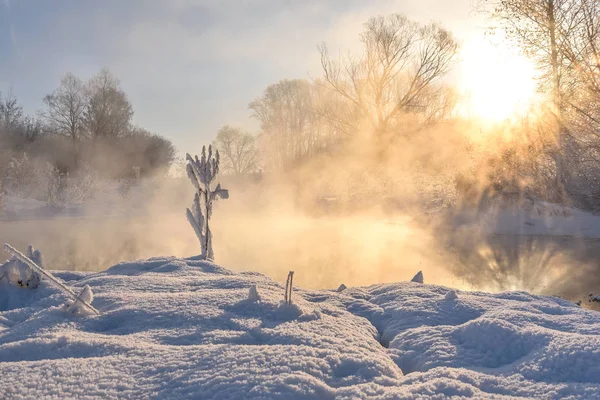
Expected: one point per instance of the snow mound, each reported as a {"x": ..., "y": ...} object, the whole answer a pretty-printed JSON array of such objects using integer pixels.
[
  {"x": 184, "y": 328},
  {"x": 451, "y": 295}
]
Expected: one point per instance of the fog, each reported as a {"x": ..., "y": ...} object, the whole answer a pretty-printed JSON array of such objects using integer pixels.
[
  {"x": 362, "y": 174},
  {"x": 312, "y": 224}
]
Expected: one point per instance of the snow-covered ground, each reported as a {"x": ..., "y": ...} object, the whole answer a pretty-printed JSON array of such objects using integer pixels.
[
  {"x": 182, "y": 328},
  {"x": 540, "y": 218}
]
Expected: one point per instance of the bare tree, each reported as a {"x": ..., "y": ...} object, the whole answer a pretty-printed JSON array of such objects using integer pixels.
[
  {"x": 545, "y": 29},
  {"x": 292, "y": 122},
  {"x": 401, "y": 60},
  {"x": 581, "y": 49},
  {"x": 11, "y": 113},
  {"x": 108, "y": 112},
  {"x": 238, "y": 150},
  {"x": 66, "y": 107}
]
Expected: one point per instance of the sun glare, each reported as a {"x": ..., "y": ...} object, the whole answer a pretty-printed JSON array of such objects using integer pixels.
[{"x": 497, "y": 83}]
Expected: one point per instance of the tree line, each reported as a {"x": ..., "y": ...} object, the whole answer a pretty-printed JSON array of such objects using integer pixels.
[
  {"x": 83, "y": 125},
  {"x": 390, "y": 89},
  {"x": 394, "y": 90}
]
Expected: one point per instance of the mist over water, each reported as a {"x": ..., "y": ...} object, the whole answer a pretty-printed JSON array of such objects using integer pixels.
[{"x": 325, "y": 245}]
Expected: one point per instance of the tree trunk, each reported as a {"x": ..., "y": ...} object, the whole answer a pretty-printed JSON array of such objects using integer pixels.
[{"x": 556, "y": 100}]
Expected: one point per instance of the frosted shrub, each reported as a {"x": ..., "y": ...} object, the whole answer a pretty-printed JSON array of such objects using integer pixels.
[
  {"x": 65, "y": 188},
  {"x": 81, "y": 185},
  {"x": 24, "y": 177},
  {"x": 32, "y": 263},
  {"x": 202, "y": 172},
  {"x": 17, "y": 273},
  {"x": 76, "y": 307},
  {"x": 55, "y": 182}
]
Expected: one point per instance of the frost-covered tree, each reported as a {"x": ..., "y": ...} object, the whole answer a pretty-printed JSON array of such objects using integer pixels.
[
  {"x": 202, "y": 172},
  {"x": 399, "y": 72},
  {"x": 238, "y": 149}
]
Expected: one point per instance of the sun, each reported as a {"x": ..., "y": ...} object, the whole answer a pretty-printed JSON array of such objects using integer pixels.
[{"x": 496, "y": 82}]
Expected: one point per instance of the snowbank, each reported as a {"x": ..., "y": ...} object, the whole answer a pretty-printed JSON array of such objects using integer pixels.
[
  {"x": 173, "y": 328},
  {"x": 541, "y": 218}
]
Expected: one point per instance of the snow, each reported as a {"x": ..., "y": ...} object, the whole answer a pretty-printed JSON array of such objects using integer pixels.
[
  {"x": 186, "y": 328},
  {"x": 539, "y": 218},
  {"x": 451, "y": 295}
]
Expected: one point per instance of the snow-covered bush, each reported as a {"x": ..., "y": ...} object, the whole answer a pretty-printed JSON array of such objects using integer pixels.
[
  {"x": 65, "y": 188},
  {"x": 55, "y": 183},
  {"x": 450, "y": 295},
  {"x": 81, "y": 185},
  {"x": 24, "y": 176},
  {"x": 18, "y": 273},
  {"x": 77, "y": 307},
  {"x": 29, "y": 266},
  {"x": 202, "y": 172},
  {"x": 253, "y": 295},
  {"x": 29, "y": 178}
]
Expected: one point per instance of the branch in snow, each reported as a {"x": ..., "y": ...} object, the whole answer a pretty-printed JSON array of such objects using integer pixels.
[
  {"x": 287, "y": 298},
  {"x": 18, "y": 273},
  {"x": 24, "y": 259}
]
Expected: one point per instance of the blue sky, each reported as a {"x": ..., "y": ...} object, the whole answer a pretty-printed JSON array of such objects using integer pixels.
[{"x": 188, "y": 66}]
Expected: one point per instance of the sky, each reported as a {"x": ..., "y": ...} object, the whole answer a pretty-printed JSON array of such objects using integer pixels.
[{"x": 191, "y": 66}]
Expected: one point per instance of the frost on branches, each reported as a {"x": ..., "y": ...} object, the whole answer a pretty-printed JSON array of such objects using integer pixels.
[
  {"x": 202, "y": 172},
  {"x": 32, "y": 264},
  {"x": 18, "y": 273}
]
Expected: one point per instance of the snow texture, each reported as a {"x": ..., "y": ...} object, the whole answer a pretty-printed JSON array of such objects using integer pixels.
[
  {"x": 184, "y": 328},
  {"x": 253, "y": 295},
  {"x": 37, "y": 270},
  {"x": 450, "y": 296},
  {"x": 76, "y": 307}
]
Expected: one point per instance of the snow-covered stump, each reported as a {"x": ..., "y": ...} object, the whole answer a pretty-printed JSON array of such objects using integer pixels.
[
  {"x": 253, "y": 295},
  {"x": 81, "y": 299},
  {"x": 202, "y": 172},
  {"x": 450, "y": 295}
]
